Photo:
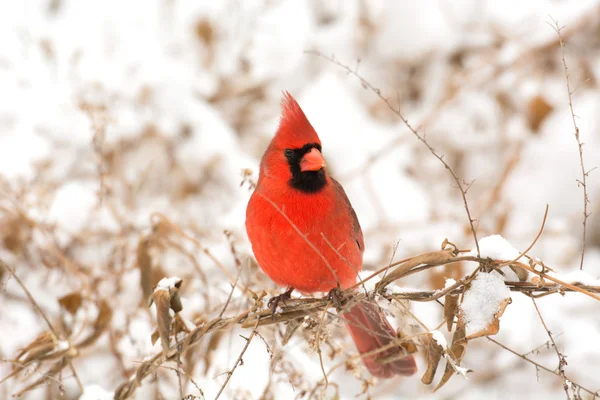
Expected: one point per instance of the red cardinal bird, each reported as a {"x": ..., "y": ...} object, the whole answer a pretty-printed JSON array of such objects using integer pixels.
[{"x": 306, "y": 236}]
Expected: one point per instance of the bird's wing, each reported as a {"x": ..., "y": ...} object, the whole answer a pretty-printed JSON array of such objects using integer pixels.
[{"x": 357, "y": 231}]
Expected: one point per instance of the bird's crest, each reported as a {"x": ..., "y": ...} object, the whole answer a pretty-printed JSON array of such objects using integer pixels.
[{"x": 294, "y": 128}]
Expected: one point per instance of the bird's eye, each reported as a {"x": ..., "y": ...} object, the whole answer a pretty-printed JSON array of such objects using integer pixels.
[{"x": 289, "y": 153}]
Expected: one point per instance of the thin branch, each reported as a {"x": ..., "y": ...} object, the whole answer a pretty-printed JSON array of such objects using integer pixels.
[
  {"x": 43, "y": 314},
  {"x": 561, "y": 357},
  {"x": 421, "y": 138},
  {"x": 540, "y": 366},
  {"x": 238, "y": 361},
  {"x": 318, "y": 344},
  {"x": 584, "y": 174},
  {"x": 532, "y": 243}
]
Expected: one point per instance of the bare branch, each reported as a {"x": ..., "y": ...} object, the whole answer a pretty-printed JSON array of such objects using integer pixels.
[
  {"x": 584, "y": 174},
  {"x": 366, "y": 84}
]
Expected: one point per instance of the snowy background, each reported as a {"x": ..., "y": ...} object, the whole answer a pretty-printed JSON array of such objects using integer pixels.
[{"x": 112, "y": 111}]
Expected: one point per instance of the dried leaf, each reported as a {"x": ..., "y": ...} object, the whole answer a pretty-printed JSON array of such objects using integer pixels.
[
  {"x": 154, "y": 337},
  {"x": 175, "y": 302},
  {"x": 522, "y": 273},
  {"x": 144, "y": 262},
  {"x": 212, "y": 345},
  {"x": 494, "y": 326},
  {"x": 407, "y": 344},
  {"x": 162, "y": 299},
  {"x": 537, "y": 111},
  {"x": 290, "y": 328},
  {"x": 41, "y": 345},
  {"x": 483, "y": 304},
  {"x": 434, "y": 355},
  {"x": 100, "y": 324},
  {"x": 71, "y": 302},
  {"x": 205, "y": 32},
  {"x": 433, "y": 258},
  {"x": 450, "y": 309},
  {"x": 458, "y": 348},
  {"x": 457, "y": 352},
  {"x": 52, "y": 372}
]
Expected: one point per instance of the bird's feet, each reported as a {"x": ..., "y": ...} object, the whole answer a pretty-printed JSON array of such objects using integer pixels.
[
  {"x": 336, "y": 297},
  {"x": 275, "y": 300}
]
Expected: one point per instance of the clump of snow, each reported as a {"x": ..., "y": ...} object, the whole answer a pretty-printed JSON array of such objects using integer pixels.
[
  {"x": 498, "y": 248},
  {"x": 577, "y": 276},
  {"x": 167, "y": 283},
  {"x": 449, "y": 282},
  {"x": 395, "y": 289},
  {"x": 439, "y": 338},
  {"x": 482, "y": 301},
  {"x": 62, "y": 345}
]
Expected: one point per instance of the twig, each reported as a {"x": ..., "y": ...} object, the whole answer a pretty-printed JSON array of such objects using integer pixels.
[
  {"x": 233, "y": 286},
  {"x": 584, "y": 174},
  {"x": 318, "y": 343},
  {"x": 421, "y": 138},
  {"x": 561, "y": 357},
  {"x": 532, "y": 243},
  {"x": 30, "y": 296},
  {"x": 540, "y": 366},
  {"x": 238, "y": 361},
  {"x": 301, "y": 307},
  {"x": 43, "y": 314}
]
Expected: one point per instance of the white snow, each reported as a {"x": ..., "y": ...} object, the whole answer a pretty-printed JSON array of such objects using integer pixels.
[
  {"x": 95, "y": 392},
  {"x": 395, "y": 289},
  {"x": 498, "y": 248},
  {"x": 482, "y": 301},
  {"x": 439, "y": 338},
  {"x": 576, "y": 276},
  {"x": 167, "y": 283},
  {"x": 449, "y": 282}
]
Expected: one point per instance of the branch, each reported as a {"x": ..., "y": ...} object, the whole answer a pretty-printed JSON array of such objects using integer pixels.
[
  {"x": 296, "y": 308},
  {"x": 366, "y": 84},
  {"x": 584, "y": 174}
]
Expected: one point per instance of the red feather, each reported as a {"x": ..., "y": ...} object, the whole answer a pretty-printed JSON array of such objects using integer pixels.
[{"x": 312, "y": 241}]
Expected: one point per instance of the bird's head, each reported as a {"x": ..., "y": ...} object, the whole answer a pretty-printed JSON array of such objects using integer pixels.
[{"x": 294, "y": 154}]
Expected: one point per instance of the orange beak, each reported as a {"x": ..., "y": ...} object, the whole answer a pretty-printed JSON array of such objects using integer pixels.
[{"x": 312, "y": 161}]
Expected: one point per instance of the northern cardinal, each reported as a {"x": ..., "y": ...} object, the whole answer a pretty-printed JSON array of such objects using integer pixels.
[{"x": 306, "y": 236}]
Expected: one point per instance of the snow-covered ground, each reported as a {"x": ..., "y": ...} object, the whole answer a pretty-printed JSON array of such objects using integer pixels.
[{"x": 115, "y": 112}]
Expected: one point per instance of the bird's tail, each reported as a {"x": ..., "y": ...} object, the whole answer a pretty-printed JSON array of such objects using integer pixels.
[{"x": 371, "y": 330}]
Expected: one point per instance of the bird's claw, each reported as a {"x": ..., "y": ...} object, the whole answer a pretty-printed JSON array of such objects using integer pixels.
[
  {"x": 275, "y": 300},
  {"x": 336, "y": 297}
]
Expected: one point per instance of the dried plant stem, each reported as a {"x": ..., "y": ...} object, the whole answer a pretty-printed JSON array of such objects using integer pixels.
[
  {"x": 561, "y": 358},
  {"x": 300, "y": 307},
  {"x": 462, "y": 186},
  {"x": 565, "y": 284},
  {"x": 584, "y": 173},
  {"x": 540, "y": 366},
  {"x": 30, "y": 296},
  {"x": 238, "y": 361},
  {"x": 532, "y": 243},
  {"x": 318, "y": 343},
  {"x": 43, "y": 314}
]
